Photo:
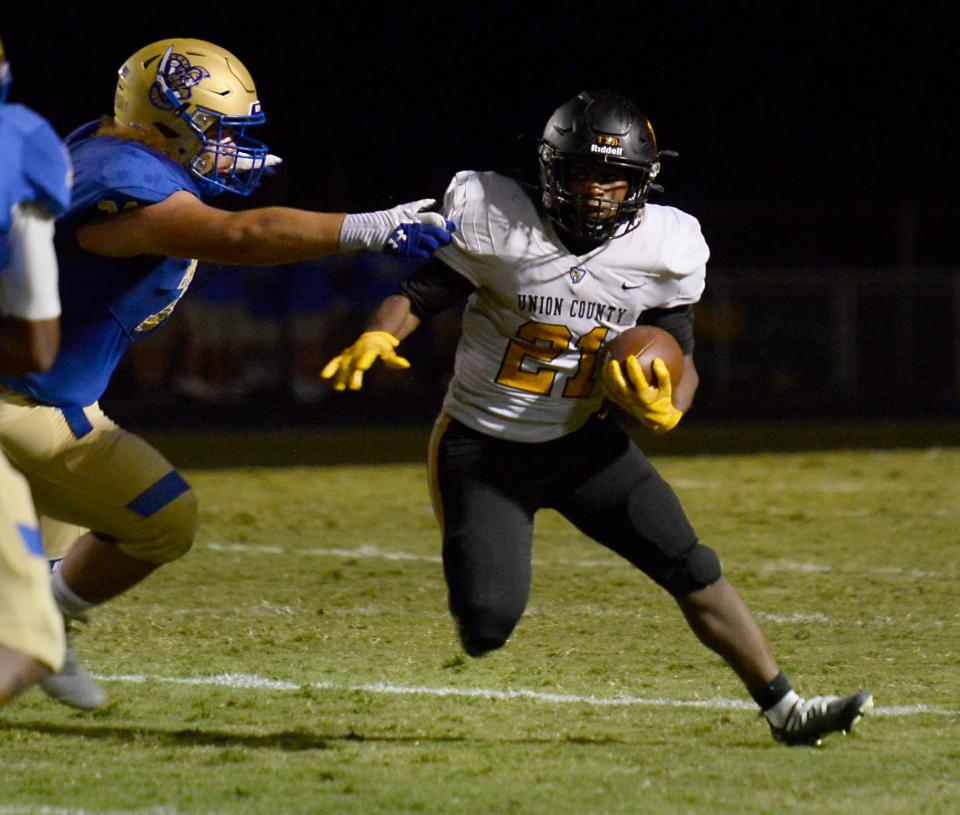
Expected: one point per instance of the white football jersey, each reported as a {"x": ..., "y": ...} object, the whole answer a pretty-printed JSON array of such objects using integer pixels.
[{"x": 528, "y": 361}]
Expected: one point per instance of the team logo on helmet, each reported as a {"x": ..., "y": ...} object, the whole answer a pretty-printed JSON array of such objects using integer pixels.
[
  {"x": 180, "y": 77},
  {"x": 577, "y": 273}
]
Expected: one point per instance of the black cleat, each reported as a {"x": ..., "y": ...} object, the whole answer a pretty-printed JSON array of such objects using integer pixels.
[{"x": 811, "y": 719}]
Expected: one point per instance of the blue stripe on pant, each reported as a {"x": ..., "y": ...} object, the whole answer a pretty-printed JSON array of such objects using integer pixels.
[
  {"x": 156, "y": 497},
  {"x": 31, "y": 539},
  {"x": 77, "y": 420}
]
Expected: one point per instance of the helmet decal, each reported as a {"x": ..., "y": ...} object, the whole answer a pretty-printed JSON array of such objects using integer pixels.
[
  {"x": 176, "y": 72},
  {"x": 607, "y": 145}
]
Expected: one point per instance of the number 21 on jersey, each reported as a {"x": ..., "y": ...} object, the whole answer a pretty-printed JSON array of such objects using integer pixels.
[{"x": 543, "y": 343}]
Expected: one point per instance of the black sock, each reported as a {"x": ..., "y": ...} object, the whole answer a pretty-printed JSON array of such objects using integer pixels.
[{"x": 766, "y": 696}]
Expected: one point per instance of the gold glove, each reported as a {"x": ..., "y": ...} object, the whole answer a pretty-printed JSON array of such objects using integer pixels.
[
  {"x": 348, "y": 368},
  {"x": 651, "y": 406}
]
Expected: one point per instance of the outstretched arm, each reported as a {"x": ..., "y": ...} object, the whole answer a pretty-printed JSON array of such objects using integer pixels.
[
  {"x": 428, "y": 291},
  {"x": 183, "y": 226}
]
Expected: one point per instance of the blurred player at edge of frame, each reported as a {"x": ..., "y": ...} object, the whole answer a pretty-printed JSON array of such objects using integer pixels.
[
  {"x": 35, "y": 179},
  {"x": 128, "y": 245},
  {"x": 551, "y": 278}
]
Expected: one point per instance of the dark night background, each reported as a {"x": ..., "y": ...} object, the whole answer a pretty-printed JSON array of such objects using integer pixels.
[{"x": 812, "y": 137}]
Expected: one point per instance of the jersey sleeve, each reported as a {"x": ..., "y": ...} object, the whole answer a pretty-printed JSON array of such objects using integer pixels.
[
  {"x": 463, "y": 203},
  {"x": 48, "y": 168},
  {"x": 114, "y": 175},
  {"x": 433, "y": 288},
  {"x": 677, "y": 321},
  {"x": 44, "y": 165},
  {"x": 141, "y": 175},
  {"x": 684, "y": 258}
]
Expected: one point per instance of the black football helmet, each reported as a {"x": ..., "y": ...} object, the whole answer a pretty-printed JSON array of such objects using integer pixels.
[{"x": 597, "y": 128}]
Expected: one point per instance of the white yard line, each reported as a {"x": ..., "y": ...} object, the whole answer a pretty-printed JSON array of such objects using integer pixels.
[
  {"x": 815, "y": 617},
  {"x": 368, "y": 551},
  {"x": 251, "y": 682},
  {"x": 359, "y": 553},
  {"x": 826, "y": 568},
  {"x": 264, "y": 608},
  {"x": 43, "y": 809},
  {"x": 829, "y": 487}
]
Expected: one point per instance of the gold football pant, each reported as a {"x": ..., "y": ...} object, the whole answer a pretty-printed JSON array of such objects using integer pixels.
[
  {"x": 86, "y": 471},
  {"x": 29, "y": 620}
]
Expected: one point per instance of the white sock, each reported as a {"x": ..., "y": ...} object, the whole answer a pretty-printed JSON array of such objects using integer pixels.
[
  {"x": 777, "y": 715},
  {"x": 68, "y": 601}
]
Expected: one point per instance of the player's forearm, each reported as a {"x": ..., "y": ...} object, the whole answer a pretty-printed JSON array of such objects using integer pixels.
[
  {"x": 684, "y": 390},
  {"x": 181, "y": 226},
  {"x": 395, "y": 317},
  {"x": 275, "y": 235}
]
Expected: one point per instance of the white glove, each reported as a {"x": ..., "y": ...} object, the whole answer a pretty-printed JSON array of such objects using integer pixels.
[{"x": 371, "y": 230}]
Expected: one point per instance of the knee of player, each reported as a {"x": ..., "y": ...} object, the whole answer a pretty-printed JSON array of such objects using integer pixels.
[
  {"x": 169, "y": 533},
  {"x": 182, "y": 531},
  {"x": 696, "y": 569},
  {"x": 189, "y": 521},
  {"x": 478, "y": 645},
  {"x": 485, "y": 630}
]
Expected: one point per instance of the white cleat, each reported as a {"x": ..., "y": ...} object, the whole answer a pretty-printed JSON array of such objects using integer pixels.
[{"x": 74, "y": 686}]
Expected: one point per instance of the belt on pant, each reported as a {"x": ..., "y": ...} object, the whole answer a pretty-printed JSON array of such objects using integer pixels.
[{"x": 76, "y": 419}]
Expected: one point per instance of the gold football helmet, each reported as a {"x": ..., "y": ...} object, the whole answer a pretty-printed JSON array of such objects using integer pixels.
[{"x": 201, "y": 100}]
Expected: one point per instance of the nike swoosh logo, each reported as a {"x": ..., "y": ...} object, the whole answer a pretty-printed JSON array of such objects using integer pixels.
[{"x": 627, "y": 288}]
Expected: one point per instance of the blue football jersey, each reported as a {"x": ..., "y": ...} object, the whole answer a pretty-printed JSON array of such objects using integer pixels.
[
  {"x": 107, "y": 303},
  {"x": 34, "y": 166}
]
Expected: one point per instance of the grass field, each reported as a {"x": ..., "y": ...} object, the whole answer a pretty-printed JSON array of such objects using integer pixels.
[{"x": 301, "y": 659}]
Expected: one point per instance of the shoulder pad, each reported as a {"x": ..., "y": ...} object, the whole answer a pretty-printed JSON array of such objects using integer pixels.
[
  {"x": 122, "y": 171},
  {"x": 683, "y": 248},
  {"x": 484, "y": 205},
  {"x": 44, "y": 162}
]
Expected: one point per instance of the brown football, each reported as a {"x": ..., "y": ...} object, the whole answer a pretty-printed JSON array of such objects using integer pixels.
[{"x": 647, "y": 342}]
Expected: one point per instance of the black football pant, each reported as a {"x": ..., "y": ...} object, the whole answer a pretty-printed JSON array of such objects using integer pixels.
[{"x": 487, "y": 490}]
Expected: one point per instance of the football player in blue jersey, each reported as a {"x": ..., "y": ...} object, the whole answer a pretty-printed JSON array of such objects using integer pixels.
[
  {"x": 182, "y": 128},
  {"x": 35, "y": 178}
]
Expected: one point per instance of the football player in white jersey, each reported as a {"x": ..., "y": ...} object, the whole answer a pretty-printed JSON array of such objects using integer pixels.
[{"x": 551, "y": 278}]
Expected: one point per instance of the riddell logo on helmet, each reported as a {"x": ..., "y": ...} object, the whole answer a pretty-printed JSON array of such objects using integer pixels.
[{"x": 610, "y": 151}]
